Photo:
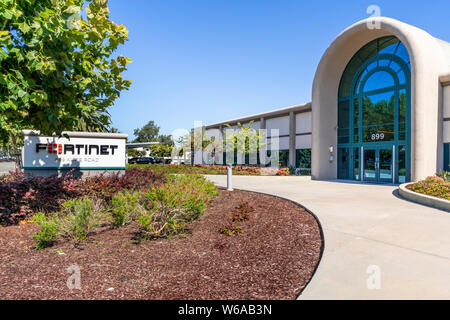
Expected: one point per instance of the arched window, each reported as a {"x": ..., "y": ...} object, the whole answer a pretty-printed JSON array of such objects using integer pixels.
[{"x": 374, "y": 112}]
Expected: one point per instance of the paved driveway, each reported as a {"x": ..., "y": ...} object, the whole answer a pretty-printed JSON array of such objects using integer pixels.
[
  {"x": 368, "y": 231},
  {"x": 5, "y": 167}
]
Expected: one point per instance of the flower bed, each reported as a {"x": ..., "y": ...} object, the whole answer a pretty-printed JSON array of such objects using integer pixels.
[
  {"x": 213, "y": 169},
  {"x": 160, "y": 211},
  {"x": 432, "y": 186},
  {"x": 22, "y": 196},
  {"x": 272, "y": 257}
]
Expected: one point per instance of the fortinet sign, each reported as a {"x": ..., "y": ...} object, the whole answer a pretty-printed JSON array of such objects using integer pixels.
[
  {"x": 82, "y": 150},
  {"x": 86, "y": 149}
]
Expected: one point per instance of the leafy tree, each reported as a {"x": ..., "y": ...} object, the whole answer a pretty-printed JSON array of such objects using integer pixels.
[
  {"x": 165, "y": 140},
  {"x": 148, "y": 133},
  {"x": 161, "y": 150},
  {"x": 56, "y": 69},
  {"x": 136, "y": 153}
]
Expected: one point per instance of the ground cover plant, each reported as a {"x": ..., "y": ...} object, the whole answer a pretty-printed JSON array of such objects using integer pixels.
[
  {"x": 435, "y": 186},
  {"x": 214, "y": 169},
  {"x": 160, "y": 211},
  {"x": 22, "y": 196}
]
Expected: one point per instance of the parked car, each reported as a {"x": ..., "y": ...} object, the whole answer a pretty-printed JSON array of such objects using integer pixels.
[
  {"x": 132, "y": 160},
  {"x": 145, "y": 160},
  {"x": 158, "y": 160}
]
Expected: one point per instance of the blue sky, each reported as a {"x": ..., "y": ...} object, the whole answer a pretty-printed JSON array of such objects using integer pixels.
[{"x": 213, "y": 60}]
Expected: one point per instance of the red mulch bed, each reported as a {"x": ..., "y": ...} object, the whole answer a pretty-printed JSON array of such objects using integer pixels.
[{"x": 273, "y": 258}]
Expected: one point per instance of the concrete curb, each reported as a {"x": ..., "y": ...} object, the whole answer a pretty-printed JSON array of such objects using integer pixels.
[{"x": 424, "y": 199}]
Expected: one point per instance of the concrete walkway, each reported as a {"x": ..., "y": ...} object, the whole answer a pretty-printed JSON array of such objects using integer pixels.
[{"x": 368, "y": 225}]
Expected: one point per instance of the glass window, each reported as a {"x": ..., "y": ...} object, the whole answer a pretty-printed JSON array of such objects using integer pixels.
[
  {"x": 343, "y": 163},
  {"x": 379, "y": 80},
  {"x": 303, "y": 161},
  {"x": 378, "y": 117},
  {"x": 376, "y": 99}
]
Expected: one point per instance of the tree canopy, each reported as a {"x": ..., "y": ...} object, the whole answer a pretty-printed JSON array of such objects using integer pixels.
[{"x": 57, "y": 72}]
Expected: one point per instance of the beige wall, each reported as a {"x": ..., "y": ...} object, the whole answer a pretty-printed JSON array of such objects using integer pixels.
[
  {"x": 303, "y": 122},
  {"x": 280, "y": 123}
]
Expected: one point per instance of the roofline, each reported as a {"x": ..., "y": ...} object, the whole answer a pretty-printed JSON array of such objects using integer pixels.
[
  {"x": 445, "y": 79},
  {"x": 268, "y": 114},
  {"x": 79, "y": 134}
]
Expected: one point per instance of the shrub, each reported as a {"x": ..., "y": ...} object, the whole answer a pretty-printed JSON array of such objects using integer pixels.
[
  {"x": 79, "y": 217},
  {"x": 445, "y": 175},
  {"x": 283, "y": 172},
  {"x": 161, "y": 211},
  {"x": 200, "y": 169},
  {"x": 49, "y": 232},
  {"x": 124, "y": 208},
  {"x": 21, "y": 196},
  {"x": 182, "y": 199},
  {"x": 106, "y": 187}
]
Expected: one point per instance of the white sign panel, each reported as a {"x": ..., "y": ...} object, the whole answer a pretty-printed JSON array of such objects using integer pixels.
[{"x": 81, "y": 151}]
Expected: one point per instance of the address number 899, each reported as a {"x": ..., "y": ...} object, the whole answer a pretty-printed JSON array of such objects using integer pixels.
[{"x": 377, "y": 136}]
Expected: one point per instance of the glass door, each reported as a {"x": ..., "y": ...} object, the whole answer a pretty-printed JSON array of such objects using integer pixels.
[
  {"x": 378, "y": 165},
  {"x": 370, "y": 165},
  {"x": 385, "y": 165}
]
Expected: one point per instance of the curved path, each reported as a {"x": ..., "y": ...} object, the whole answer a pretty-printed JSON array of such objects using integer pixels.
[{"x": 377, "y": 245}]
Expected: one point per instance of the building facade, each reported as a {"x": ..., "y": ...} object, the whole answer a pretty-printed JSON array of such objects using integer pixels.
[{"x": 380, "y": 109}]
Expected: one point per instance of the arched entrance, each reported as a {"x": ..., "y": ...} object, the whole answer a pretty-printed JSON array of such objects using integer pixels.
[{"x": 374, "y": 114}]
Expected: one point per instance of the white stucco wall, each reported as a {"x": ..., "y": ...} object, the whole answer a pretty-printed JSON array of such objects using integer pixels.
[
  {"x": 303, "y": 142},
  {"x": 283, "y": 144},
  {"x": 303, "y": 122},
  {"x": 280, "y": 123}
]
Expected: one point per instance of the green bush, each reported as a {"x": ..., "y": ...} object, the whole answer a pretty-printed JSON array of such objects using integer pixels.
[
  {"x": 445, "y": 175},
  {"x": 161, "y": 211},
  {"x": 182, "y": 199},
  {"x": 49, "y": 232},
  {"x": 125, "y": 207},
  {"x": 79, "y": 217}
]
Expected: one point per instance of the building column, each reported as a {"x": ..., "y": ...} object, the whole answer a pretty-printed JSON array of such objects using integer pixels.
[
  {"x": 262, "y": 123},
  {"x": 292, "y": 138}
]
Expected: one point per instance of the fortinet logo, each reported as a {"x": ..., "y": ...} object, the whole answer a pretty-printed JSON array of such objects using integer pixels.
[{"x": 77, "y": 149}]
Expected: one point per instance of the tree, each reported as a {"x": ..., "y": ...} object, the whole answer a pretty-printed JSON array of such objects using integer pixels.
[
  {"x": 148, "y": 133},
  {"x": 56, "y": 69},
  {"x": 136, "y": 153},
  {"x": 165, "y": 140},
  {"x": 161, "y": 150}
]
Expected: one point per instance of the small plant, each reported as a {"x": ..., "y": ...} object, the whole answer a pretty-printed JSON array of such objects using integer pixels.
[
  {"x": 49, "y": 232},
  {"x": 241, "y": 212},
  {"x": 283, "y": 172},
  {"x": 445, "y": 175},
  {"x": 80, "y": 216},
  {"x": 230, "y": 230},
  {"x": 125, "y": 207},
  {"x": 77, "y": 218}
]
